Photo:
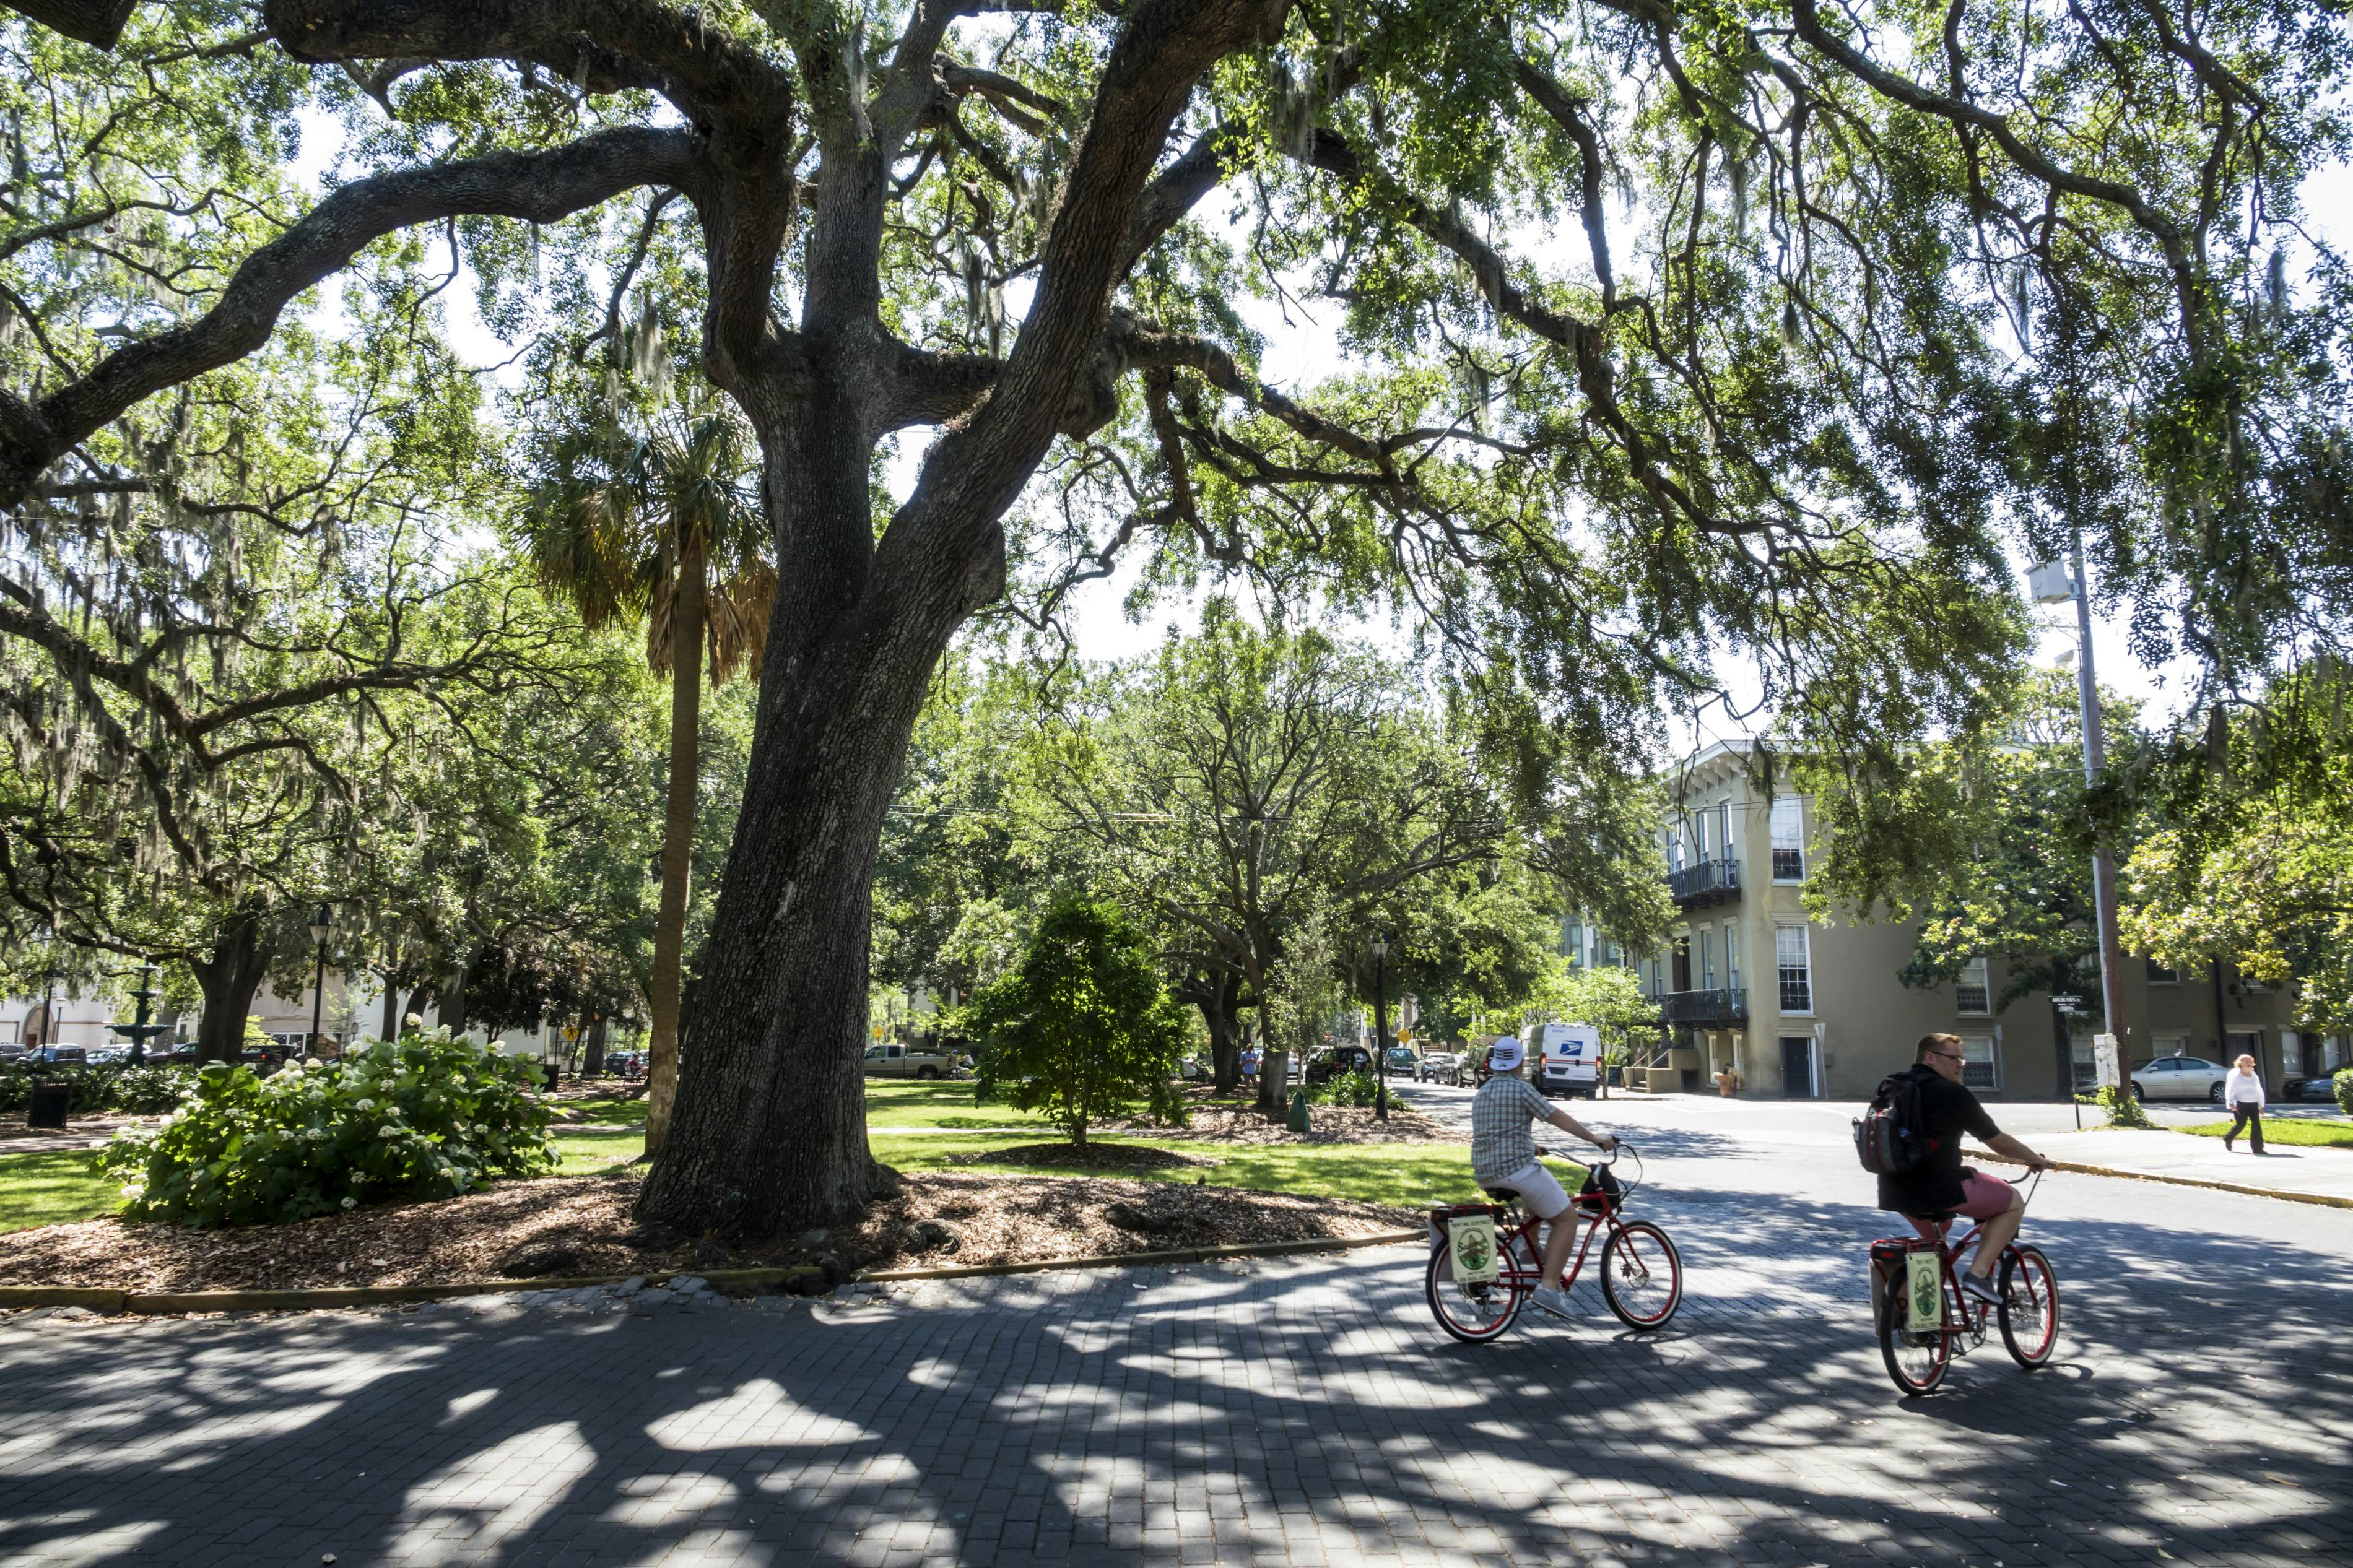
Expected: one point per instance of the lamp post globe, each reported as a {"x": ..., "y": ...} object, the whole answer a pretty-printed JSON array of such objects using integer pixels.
[{"x": 322, "y": 926}]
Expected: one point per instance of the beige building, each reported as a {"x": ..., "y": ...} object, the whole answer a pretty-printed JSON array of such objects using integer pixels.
[{"x": 1806, "y": 1009}]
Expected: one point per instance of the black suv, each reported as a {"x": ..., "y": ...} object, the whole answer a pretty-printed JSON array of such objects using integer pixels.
[{"x": 1327, "y": 1065}]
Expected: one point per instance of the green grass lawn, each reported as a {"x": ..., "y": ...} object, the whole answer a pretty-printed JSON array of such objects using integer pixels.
[
  {"x": 606, "y": 1109},
  {"x": 587, "y": 1149},
  {"x": 1402, "y": 1174},
  {"x": 2287, "y": 1129},
  {"x": 54, "y": 1187},
  {"x": 944, "y": 1103}
]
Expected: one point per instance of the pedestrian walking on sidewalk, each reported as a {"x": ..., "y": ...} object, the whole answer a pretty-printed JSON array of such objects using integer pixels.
[{"x": 2242, "y": 1092}]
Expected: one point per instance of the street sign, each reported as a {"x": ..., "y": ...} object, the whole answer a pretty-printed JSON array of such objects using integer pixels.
[
  {"x": 2066, "y": 1002},
  {"x": 571, "y": 1031},
  {"x": 1405, "y": 1037}
]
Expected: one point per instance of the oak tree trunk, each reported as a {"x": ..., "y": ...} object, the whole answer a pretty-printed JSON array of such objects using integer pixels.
[
  {"x": 391, "y": 1008},
  {"x": 686, "y": 613},
  {"x": 229, "y": 979}
]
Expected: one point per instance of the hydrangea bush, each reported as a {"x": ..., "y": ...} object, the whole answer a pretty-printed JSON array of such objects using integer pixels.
[{"x": 423, "y": 1117}]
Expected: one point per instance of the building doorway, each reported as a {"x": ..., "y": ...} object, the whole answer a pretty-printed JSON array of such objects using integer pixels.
[{"x": 1797, "y": 1067}]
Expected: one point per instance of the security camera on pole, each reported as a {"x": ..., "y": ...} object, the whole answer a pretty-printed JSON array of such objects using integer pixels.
[{"x": 2053, "y": 582}]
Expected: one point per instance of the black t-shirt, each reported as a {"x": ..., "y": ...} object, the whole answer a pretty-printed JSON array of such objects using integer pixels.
[{"x": 1947, "y": 1110}]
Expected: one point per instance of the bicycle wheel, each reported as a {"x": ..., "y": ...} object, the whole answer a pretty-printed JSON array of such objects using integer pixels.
[
  {"x": 2029, "y": 1307},
  {"x": 1475, "y": 1312},
  {"x": 1641, "y": 1277},
  {"x": 1917, "y": 1361}
]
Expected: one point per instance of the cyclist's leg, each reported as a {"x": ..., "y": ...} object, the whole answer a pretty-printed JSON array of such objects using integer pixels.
[
  {"x": 1542, "y": 1197},
  {"x": 1999, "y": 1208}
]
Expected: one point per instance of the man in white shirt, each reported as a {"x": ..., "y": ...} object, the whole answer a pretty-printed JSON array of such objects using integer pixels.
[{"x": 1504, "y": 1158}]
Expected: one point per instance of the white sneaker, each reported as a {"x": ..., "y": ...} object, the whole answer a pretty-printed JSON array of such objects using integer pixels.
[{"x": 1552, "y": 1301}]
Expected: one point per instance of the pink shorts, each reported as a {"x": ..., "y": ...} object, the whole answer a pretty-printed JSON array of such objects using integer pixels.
[{"x": 1982, "y": 1197}]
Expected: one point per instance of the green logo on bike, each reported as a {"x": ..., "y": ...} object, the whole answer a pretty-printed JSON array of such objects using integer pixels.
[
  {"x": 1472, "y": 1239},
  {"x": 1926, "y": 1287}
]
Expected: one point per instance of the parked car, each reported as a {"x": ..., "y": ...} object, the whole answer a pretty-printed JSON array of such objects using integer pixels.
[
  {"x": 1332, "y": 1062},
  {"x": 1403, "y": 1063},
  {"x": 2322, "y": 1087},
  {"x": 2179, "y": 1078},
  {"x": 55, "y": 1056},
  {"x": 1435, "y": 1067},
  {"x": 1196, "y": 1069},
  {"x": 892, "y": 1059}
]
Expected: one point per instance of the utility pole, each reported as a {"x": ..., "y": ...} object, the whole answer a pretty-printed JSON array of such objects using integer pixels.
[
  {"x": 2103, "y": 861},
  {"x": 1381, "y": 1026}
]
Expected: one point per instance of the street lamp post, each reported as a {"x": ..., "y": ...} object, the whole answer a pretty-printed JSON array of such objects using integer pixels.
[
  {"x": 322, "y": 926},
  {"x": 1381, "y": 1026}
]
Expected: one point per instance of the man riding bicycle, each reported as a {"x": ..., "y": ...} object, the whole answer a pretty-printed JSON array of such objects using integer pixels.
[
  {"x": 1503, "y": 1157},
  {"x": 1941, "y": 1184}
]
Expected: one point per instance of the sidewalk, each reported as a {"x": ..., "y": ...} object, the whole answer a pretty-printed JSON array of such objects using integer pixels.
[{"x": 2324, "y": 1173}]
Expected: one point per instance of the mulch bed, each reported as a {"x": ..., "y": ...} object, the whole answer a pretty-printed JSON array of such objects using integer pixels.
[{"x": 584, "y": 1225}]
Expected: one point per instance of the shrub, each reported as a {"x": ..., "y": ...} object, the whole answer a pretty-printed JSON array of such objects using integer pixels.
[
  {"x": 103, "y": 1086},
  {"x": 427, "y": 1117},
  {"x": 1084, "y": 1029},
  {"x": 2341, "y": 1086},
  {"x": 2123, "y": 1106},
  {"x": 1356, "y": 1088}
]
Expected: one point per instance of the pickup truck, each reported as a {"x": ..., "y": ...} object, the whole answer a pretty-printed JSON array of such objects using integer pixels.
[{"x": 892, "y": 1059}]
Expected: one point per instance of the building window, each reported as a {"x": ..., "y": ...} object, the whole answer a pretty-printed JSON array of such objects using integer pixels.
[
  {"x": 1699, "y": 838},
  {"x": 1732, "y": 957},
  {"x": 1707, "y": 960},
  {"x": 2158, "y": 974},
  {"x": 2291, "y": 1054},
  {"x": 1788, "y": 839},
  {"x": 2169, "y": 1045},
  {"x": 1724, "y": 830},
  {"x": 1973, "y": 992},
  {"x": 1980, "y": 1066},
  {"x": 1790, "y": 954}
]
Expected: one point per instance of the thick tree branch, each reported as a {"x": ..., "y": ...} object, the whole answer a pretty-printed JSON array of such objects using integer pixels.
[{"x": 540, "y": 187}]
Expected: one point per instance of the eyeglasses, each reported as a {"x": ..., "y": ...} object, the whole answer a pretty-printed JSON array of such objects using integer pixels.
[{"x": 1949, "y": 1055}]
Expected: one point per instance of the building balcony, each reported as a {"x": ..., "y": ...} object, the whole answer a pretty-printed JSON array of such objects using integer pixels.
[
  {"x": 1708, "y": 882},
  {"x": 1716, "y": 1008}
]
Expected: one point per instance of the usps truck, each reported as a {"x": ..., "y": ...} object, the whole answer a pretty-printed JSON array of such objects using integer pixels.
[{"x": 1564, "y": 1058}]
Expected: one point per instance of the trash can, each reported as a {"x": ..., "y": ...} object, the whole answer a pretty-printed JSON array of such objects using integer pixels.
[
  {"x": 555, "y": 1074},
  {"x": 51, "y": 1099},
  {"x": 1297, "y": 1120}
]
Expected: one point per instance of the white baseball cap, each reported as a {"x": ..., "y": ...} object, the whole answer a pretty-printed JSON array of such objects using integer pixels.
[{"x": 1504, "y": 1055}]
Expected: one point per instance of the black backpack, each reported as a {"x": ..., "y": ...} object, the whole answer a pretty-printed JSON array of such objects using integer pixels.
[{"x": 1889, "y": 1138}]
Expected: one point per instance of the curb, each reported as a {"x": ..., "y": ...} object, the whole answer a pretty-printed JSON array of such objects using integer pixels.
[
  {"x": 2326, "y": 1200},
  {"x": 113, "y": 1302},
  {"x": 1154, "y": 1259},
  {"x": 176, "y": 1301}
]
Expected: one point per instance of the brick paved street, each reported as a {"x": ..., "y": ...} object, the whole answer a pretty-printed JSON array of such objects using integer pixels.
[{"x": 1296, "y": 1411}]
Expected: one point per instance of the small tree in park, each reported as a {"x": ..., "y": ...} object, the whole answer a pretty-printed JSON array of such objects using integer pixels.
[{"x": 1084, "y": 1028}]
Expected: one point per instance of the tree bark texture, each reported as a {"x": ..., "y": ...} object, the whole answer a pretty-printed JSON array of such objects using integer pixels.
[
  {"x": 229, "y": 979},
  {"x": 677, "y": 837},
  {"x": 391, "y": 1008}
]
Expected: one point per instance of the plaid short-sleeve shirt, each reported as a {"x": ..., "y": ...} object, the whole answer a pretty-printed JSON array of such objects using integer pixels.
[{"x": 1500, "y": 1141}]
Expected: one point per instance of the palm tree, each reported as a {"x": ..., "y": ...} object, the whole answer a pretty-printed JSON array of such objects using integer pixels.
[{"x": 666, "y": 526}]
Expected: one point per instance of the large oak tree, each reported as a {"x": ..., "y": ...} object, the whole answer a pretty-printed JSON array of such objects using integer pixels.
[{"x": 1782, "y": 404}]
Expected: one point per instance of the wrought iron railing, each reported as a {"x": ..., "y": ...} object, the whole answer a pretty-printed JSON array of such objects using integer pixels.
[{"x": 1708, "y": 881}]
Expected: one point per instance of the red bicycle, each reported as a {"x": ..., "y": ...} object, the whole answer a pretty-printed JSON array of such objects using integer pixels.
[
  {"x": 1918, "y": 1358},
  {"x": 1641, "y": 1273}
]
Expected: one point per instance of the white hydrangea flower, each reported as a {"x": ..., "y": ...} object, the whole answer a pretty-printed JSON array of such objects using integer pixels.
[
  {"x": 387, "y": 1131},
  {"x": 351, "y": 1203},
  {"x": 364, "y": 1105}
]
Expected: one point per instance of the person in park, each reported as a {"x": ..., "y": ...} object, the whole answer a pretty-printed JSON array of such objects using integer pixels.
[
  {"x": 2242, "y": 1092},
  {"x": 1941, "y": 1185},
  {"x": 1504, "y": 1158}
]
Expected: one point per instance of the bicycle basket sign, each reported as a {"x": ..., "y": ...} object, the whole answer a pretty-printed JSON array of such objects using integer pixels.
[
  {"x": 1471, "y": 1238},
  {"x": 1924, "y": 1288}
]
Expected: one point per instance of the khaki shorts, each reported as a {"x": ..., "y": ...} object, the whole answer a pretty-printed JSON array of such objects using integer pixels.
[{"x": 1538, "y": 1191}]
